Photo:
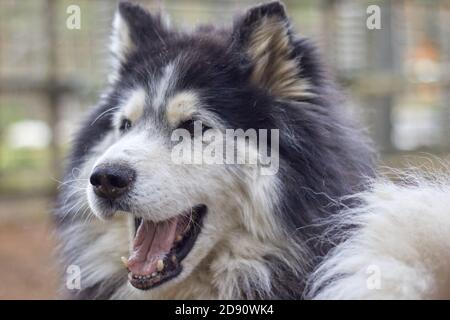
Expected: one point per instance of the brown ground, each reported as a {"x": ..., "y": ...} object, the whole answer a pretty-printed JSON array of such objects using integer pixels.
[{"x": 27, "y": 269}]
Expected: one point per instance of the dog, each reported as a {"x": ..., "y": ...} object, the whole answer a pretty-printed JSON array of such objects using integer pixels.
[{"x": 138, "y": 225}]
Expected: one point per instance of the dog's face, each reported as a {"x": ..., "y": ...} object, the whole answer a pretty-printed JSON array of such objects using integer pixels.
[{"x": 207, "y": 81}]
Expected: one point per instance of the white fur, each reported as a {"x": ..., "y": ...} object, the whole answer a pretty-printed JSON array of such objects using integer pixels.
[
  {"x": 121, "y": 43},
  {"x": 400, "y": 248},
  {"x": 120, "y": 46},
  {"x": 165, "y": 85}
]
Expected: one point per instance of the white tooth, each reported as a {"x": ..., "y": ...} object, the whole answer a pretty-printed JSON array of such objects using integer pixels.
[
  {"x": 178, "y": 238},
  {"x": 174, "y": 258},
  {"x": 160, "y": 265},
  {"x": 154, "y": 274},
  {"x": 124, "y": 261}
]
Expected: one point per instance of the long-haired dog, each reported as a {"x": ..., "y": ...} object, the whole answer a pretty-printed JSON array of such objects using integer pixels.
[{"x": 138, "y": 224}]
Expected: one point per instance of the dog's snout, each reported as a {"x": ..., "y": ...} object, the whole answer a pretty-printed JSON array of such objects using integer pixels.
[{"x": 112, "y": 181}]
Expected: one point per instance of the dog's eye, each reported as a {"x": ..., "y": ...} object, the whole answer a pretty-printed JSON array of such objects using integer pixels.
[
  {"x": 189, "y": 125},
  {"x": 125, "y": 125}
]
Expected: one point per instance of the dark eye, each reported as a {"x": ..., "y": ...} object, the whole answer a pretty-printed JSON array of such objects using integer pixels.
[
  {"x": 189, "y": 125},
  {"x": 125, "y": 125}
]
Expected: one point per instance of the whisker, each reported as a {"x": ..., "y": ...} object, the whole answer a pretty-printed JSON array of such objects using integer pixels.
[{"x": 104, "y": 113}]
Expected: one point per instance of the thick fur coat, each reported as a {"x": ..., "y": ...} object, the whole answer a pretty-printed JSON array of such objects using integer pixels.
[{"x": 397, "y": 246}]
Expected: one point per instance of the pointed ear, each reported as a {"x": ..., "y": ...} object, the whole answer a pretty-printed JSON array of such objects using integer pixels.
[
  {"x": 264, "y": 35},
  {"x": 134, "y": 26}
]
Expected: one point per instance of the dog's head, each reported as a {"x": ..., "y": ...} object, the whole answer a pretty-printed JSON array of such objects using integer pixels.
[{"x": 169, "y": 86}]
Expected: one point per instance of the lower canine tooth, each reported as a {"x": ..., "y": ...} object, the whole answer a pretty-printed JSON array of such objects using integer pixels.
[
  {"x": 160, "y": 265},
  {"x": 154, "y": 274},
  {"x": 124, "y": 261},
  {"x": 178, "y": 238}
]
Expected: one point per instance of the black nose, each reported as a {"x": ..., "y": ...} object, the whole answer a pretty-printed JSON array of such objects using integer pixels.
[{"x": 112, "y": 181}]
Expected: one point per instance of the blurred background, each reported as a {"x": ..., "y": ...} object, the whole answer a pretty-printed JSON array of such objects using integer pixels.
[{"x": 396, "y": 78}]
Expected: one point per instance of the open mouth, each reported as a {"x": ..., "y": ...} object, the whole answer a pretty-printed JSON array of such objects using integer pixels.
[{"x": 159, "y": 247}]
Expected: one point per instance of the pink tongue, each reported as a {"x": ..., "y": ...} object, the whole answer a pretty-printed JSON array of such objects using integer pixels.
[{"x": 152, "y": 242}]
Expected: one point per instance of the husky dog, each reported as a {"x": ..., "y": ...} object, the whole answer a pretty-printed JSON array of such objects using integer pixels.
[{"x": 206, "y": 230}]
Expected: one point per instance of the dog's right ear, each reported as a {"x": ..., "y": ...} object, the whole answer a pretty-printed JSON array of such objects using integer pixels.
[
  {"x": 134, "y": 26},
  {"x": 264, "y": 34}
]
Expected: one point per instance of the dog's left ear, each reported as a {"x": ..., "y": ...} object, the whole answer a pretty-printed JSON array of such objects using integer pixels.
[
  {"x": 264, "y": 35},
  {"x": 134, "y": 26}
]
